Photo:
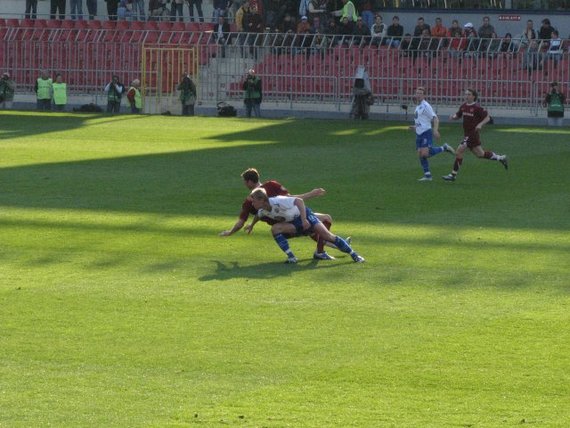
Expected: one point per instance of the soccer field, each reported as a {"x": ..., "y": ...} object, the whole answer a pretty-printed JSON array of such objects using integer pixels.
[{"x": 121, "y": 306}]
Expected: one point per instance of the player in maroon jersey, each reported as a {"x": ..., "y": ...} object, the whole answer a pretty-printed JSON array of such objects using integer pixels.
[
  {"x": 474, "y": 118},
  {"x": 274, "y": 188}
]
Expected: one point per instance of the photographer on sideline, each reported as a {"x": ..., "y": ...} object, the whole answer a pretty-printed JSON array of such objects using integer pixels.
[
  {"x": 114, "y": 90},
  {"x": 252, "y": 93},
  {"x": 554, "y": 103},
  {"x": 7, "y": 88}
]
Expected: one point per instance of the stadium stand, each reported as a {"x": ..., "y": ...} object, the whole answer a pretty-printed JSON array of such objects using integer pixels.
[{"x": 88, "y": 52}]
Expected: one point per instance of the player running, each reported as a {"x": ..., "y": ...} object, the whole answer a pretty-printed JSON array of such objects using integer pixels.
[
  {"x": 423, "y": 118},
  {"x": 294, "y": 219},
  {"x": 474, "y": 118}
]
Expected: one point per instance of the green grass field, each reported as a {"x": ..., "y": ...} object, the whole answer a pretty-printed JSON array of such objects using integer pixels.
[{"x": 121, "y": 306}]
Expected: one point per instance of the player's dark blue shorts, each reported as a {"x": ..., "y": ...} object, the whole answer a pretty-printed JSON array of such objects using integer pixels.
[
  {"x": 425, "y": 139},
  {"x": 311, "y": 218}
]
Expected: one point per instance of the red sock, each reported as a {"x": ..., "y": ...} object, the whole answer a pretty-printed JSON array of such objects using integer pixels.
[{"x": 488, "y": 155}]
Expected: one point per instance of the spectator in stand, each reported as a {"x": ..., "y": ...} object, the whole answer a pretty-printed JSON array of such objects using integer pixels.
[
  {"x": 59, "y": 93},
  {"x": 222, "y": 34},
  {"x": 438, "y": 30},
  {"x": 332, "y": 32},
  {"x": 303, "y": 30},
  {"x": 125, "y": 10},
  {"x": 420, "y": 27},
  {"x": 317, "y": 25},
  {"x": 457, "y": 42},
  {"x": 92, "y": 9},
  {"x": 378, "y": 31},
  {"x": 361, "y": 33},
  {"x": 187, "y": 97},
  {"x": 138, "y": 10},
  {"x": 407, "y": 47},
  {"x": 253, "y": 25},
  {"x": 472, "y": 38},
  {"x": 44, "y": 91},
  {"x": 134, "y": 96},
  {"x": 31, "y": 9},
  {"x": 176, "y": 9},
  {"x": 252, "y": 93},
  {"x": 348, "y": 11},
  {"x": 395, "y": 32},
  {"x": 485, "y": 33},
  {"x": 365, "y": 7},
  {"x": 533, "y": 57},
  {"x": 528, "y": 34},
  {"x": 76, "y": 9},
  {"x": 555, "y": 48},
  {"x": 508, "y": 46},
  {"x": 554, "y": 102},
  {"x": 428, "y": 45},
  {"x": 114, "y": 90},
  {"x": 220, "y": 9},
  {"x": 288, "y": 24},
  {"x": 57, "y": 6},
  {"x": 198, "y": 5},
  {"x": 318, "y": 9},
  {"x": 545, "y": 32},
  {"x": 303, "y": 27},
  {"x": 156, "y": 10},
  {"x": 7, "y": 89},
  {"x": 346, "y": 31},
  {"x": 112, "y": 9}
]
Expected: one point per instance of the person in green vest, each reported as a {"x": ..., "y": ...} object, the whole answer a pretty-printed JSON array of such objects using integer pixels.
[
  {"x": 187, "y": 90},
  {"x": 252, "y": 93},
  {"x": 7, "y": 88},
  {"x": 134, "y": 96},
  {"x": 114, "y": 90},
  {"x": 348, "y": 11},
  {"x": 44, "y": 90},
  {"x": 554, "y": 103},
  {"x": 59, "y": 93}
]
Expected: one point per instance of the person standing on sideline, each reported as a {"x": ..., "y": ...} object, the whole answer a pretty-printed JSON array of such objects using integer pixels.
[
  {"x": 252, "y": 93},
  {"x": 7, "y": 89},
  {"x": 424, "y": 116},
  {"x": 474, "y": 118},
  {"x": 59, "y": 93},
  {"x": 43, "y": 89},
  {"x": 134, "y": 96},
  {"x": 187, "y": 97},
  {"x": 295, "y": 219},
  {"x": 114, "y": 90},
  {"x": 554, "y": 103}
]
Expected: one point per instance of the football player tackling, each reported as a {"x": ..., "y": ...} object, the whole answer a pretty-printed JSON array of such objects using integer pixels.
[{"x": 294, "y": 219}]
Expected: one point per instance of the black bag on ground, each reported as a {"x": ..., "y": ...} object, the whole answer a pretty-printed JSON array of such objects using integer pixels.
[{"x": 226, "y": 110}]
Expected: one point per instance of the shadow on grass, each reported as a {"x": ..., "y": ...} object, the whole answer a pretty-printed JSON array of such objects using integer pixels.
[{"x": 233, "y": 270}]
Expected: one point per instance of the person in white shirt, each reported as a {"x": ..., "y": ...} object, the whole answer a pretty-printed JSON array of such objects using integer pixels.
[
  {"x": 424, "y": 116},
  {"x": 294, "y": 220}
]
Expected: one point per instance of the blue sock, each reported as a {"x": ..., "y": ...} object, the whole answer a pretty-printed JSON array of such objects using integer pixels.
[
  {"x": 435, "y": 150},
  {"x": 342, "y": 245},
  {"x": 425, "y": 166},
  {"x": 283, "y": 244}
]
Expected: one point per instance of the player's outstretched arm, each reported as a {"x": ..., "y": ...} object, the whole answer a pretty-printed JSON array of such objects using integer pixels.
[
  {"x": 312, "y": 194},
  {"x": 239, "y": 224}
]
